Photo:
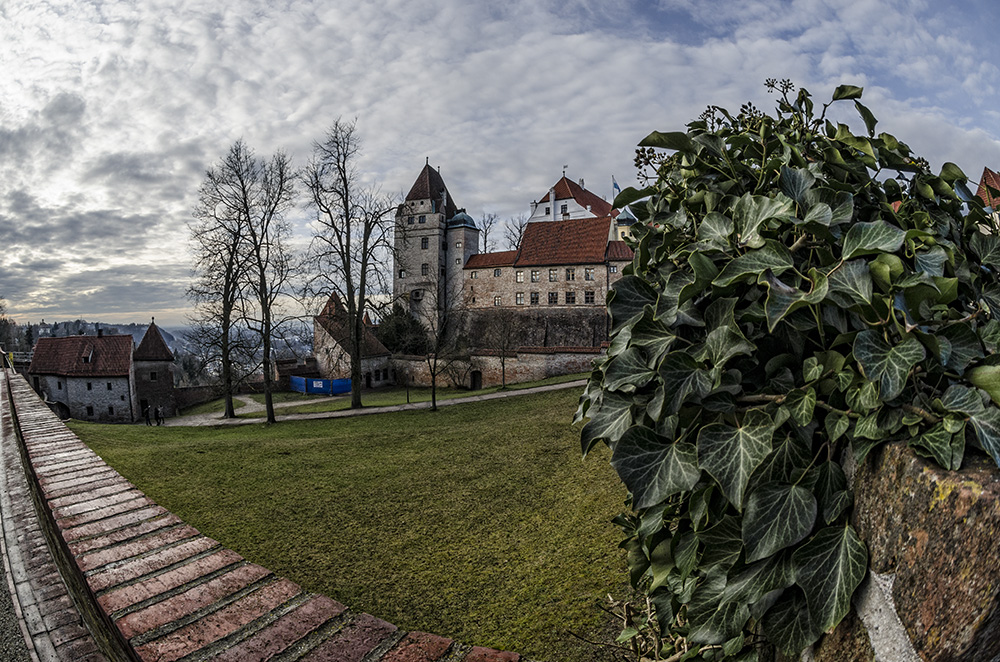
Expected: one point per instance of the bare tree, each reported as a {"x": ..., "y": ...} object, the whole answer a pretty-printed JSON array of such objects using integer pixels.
[
  {"x": 513, "y": 231},
  {"x": 486, "y": 226},
  {"x": 443, "y": 321},
  {"x": 6, "y": 328},
  {"x": 501, "y": 333},
  {"x": 350, "y": 254},
  {"x": 220, "y": 265},
  {"x": 270, "y": 192}
]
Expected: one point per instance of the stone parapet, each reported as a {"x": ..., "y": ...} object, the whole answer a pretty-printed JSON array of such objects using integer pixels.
[{"x": 160, "y": 590}]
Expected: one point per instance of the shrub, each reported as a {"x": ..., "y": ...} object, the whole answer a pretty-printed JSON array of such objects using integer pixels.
[{"x": 799, "y": 294}]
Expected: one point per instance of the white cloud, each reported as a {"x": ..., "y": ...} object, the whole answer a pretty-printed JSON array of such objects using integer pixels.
[{"x": 110, "y": 111}]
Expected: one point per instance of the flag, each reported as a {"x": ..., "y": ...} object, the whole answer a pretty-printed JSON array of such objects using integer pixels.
[{"x": 614, "y": 187}]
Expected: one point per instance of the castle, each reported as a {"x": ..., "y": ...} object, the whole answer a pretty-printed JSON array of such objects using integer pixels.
[{"x": 570, "y": 254}]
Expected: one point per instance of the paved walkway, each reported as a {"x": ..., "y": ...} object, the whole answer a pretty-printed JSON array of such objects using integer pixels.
[{"x": 249, "y": 406}]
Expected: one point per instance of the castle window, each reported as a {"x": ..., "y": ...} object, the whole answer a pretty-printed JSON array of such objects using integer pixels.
[
  {"x": 496, "y": 273},
  {"x": 613, "y": 268},
  {"x": 534, "y": 275},
  {"x": 111, "y": 410},
  {"x": 90, "y": 411},
  {"x": 417, "y": 295},
  {"x": 553, "y": 298},
  {"x": 548, "y": 210},
  {"x": 409, "y": 220},
  {"x": 402, "y": 273},
  {"x": 588, "y": 296},
  {"x": 519, "y": 276},
  {"x": 519, "y": 298},
  {"x": 423, "y": 243},
  {"x": 570, "y": 274},
  {"x": 122, "y": 398},
  {"x": 59, "y": 385},
  {"x": 496, "y": 300},
  {"x": 152, "y": 376},
  {"x": 422, "y": 219},
  {"x": 570, "y": 297},
  {"x": 564, "y": 210},
  {"x": 553, "y": 275},
  {"x": 534, "y": 298},
  {"x": 458, "y": 244},
  {"x": 474, "y": 274},
  {"x": 109, "y": 386},
  {"x": 458, "y": 260},
  {"x": 89, "y": 386},
  {"x": 425, "y": 269},
  {"x": 588, "y": 273}
]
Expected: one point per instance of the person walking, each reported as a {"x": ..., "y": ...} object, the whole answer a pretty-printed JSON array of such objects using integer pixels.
[
  {"x": 145, "y": 414},
  {"x": 159, "y": 415}
]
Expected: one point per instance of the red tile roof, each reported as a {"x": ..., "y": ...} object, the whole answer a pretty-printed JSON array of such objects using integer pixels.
[
  {"x": 992, "y": 180},
  {"x": 430, "y": 186},
  {"x": 619, "y": 250},
  {"x": 487, "y": 260},
  {"x": 107, "y": 356},
  {"x": 580, "y": 241},
  {"x": 567, "y": 189},
  {"x": 153, "y": 347},
  {"x": 334, "y": 321}
]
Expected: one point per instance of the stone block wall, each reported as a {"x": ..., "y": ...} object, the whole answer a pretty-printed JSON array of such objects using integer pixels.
[
  {"x": 160, "y": 590},
  {"x": 527, "y": 365},
  {"x": 933, "y": 590}
]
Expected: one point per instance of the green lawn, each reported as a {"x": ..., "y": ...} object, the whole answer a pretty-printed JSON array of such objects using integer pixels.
[{"x": 478, "y": 522}]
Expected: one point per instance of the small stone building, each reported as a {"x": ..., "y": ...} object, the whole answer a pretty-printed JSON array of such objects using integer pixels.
[
  {"x": 90, "y": 378},
  {"x": 331, "y": 347},
  {"x": 153, "y": 364}
]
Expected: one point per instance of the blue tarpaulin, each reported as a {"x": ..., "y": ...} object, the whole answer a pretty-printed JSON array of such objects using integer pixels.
[{"x": 318, "y": 386}]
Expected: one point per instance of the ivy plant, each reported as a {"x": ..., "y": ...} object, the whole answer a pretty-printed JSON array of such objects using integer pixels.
[{"x": 800, "y": 294}]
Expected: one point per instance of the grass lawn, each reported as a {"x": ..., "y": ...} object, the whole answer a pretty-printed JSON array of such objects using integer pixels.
[{"x": 477, "y": 522}]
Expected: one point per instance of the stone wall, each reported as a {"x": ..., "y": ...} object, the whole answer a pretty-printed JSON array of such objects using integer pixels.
[
  {"x": 933, "y": 590},
  {"x": 526, "y": 365},
  {"x": 160, "y": 590},
  {"x": 558, "y": 326}
]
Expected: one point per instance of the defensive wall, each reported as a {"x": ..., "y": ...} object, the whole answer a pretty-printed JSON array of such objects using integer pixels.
[
  {"x": 483, "y": 369},
  {"x": 133, "y": 582}
]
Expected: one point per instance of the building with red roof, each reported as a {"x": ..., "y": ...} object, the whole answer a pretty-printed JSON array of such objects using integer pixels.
[
  {"x": 989, "y": 189},
  {"x": 331, "y": 347},
  {"x": 95, "y": 378}
]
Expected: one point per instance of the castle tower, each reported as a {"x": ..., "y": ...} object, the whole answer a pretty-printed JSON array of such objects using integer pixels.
[
  {"x": 430, "y": 252},
  {"x": 154, "y": 372}
]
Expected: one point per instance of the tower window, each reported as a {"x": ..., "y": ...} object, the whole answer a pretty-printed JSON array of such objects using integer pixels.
[
  {"x": 109, "y": 386},
  {"x": 496, "y": 273},
  {"x": 152, "y": 376},
  {"x": 424, "y": 243},
  {"x": 422, "y": 219},
  {"x": 425, "y": 269},
  {"x": 402, "y": 273},
  {"x": 409, "y": 220},
  {"x": 474, "y": 274},
  {"x": 496, "y": 300}
]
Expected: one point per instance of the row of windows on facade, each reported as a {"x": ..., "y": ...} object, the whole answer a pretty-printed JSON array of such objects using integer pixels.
[
  {"x": 425, "y": 243},
  {"x": 425, "y": 270},
  {"x": 90, "y": 385},
  {"x": 534, "y": 298},
  {"x": 536, "y": 274}
]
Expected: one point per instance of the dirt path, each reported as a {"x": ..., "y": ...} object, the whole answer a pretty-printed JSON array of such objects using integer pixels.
[{"x": 248, "y": 405}]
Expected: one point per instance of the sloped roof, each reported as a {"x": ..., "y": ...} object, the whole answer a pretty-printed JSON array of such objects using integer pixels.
[
  {"x": 619, "y": 250},
  {"x": 430, "y": 186},
  {"x": 153, "y": 347},
  {"x": 488, "y": 260},
  {"x": 108, "y": 356},
  {"x": 567, "y": 189},
  {"x": 580, "y": 241},
  {"x": 333, "y": 320},
  {"x": 992, "y": 180}
]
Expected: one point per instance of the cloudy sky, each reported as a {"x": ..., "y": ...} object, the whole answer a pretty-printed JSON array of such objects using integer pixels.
[{"x": 111, "y": 110}]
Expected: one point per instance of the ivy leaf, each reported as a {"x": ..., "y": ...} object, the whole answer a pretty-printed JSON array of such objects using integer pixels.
[
  {"x": 931, "y": 262},
  {"x": 713, "y": 622},
  {"x": 885, "y": 364},
  {"x": 801, "y": 404},
  {"x": 851, "y": 284},
  {"x": 873, "y": 237},
  {"x": 786, "y": 462},
  {"x": 789, "y": 624},
  {"x": 847, "y": 92},
  {"x": 723, "y": 543},
  {"x": 752, "y": 211},
  {"x": 608, "y": 421},
  {"x": 653, "y": 468},
  {"x": 867, "y": 116},
  {"x": 987, "y": 247},
  {"x": 829, "y": 568},
  {"x": 836, "y": 425},
  {"x": 675, "y": 140},
  {"x": 774, "y": 256},
  {"x": 778, "y": 515},
  {"x": 655, "y": 336},
  {"x": 942, "y": 446},
  {"x": 987, "y": 428},
  {"x": 759, "y": 578},
  {"x": 730, "y": 454},
  {"x": 683, "y": 377},
  {"x": 963, "y": 400},
  {"x": 715, "y": 231},
  {"x": 628, "y": 369},
  {"x": 722, "y": 344},
  {"x": 783, "y": 299},
  {"x": 795, "y": 182},
  {"x": 831, "y": 490},
  {"x": 965, "y": 346},
  {"x": 629, "y": 298}
]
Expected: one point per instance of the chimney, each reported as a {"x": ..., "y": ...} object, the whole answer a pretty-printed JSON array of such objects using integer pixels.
[
  {"x": 581, "y": 183},
  {"x": 552, "y": 202},
  {"x": 100, "y": 332}
]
